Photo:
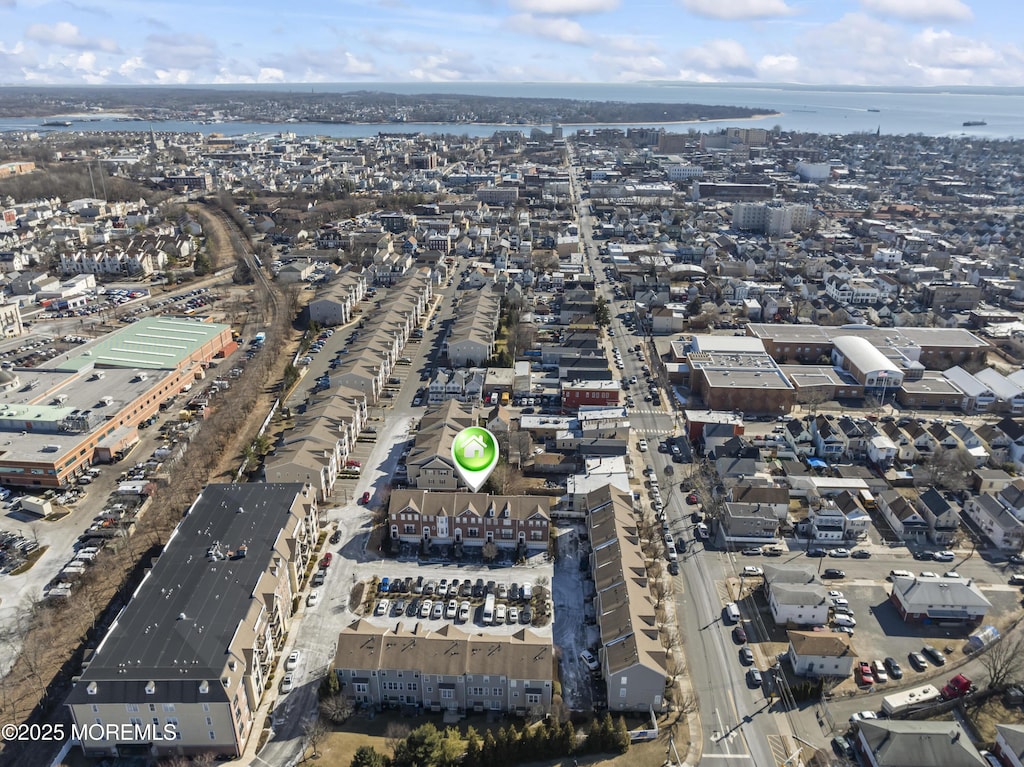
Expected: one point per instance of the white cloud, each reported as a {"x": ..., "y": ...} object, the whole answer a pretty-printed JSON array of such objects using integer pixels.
[
  {"x": 270, "y": 75},
  {"x": 564, "y": 7},
  {"x": 552, "y": 28},
  {"x": 67, "y": 35},
  {"x": 738, "y": 9},
  {"x": 354, "y": 66},
  {"x": 630, "y": 44},
  {"x": 779, "y": 68},
  {"x": 920, "y": 10},
  {"x": 630, "y": 68},
  {"x": 445, "y": 67},
  {"x": 722, "y": 58}
]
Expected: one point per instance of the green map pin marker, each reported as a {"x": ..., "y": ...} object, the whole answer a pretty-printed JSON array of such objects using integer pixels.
[{"x": 475, "y": 452}]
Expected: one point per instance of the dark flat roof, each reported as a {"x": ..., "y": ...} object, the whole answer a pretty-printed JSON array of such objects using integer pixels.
[{"x": 149, "y": 640}]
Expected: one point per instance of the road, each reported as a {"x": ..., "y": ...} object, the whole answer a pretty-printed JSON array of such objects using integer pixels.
[{"x": 737, "y": 726}]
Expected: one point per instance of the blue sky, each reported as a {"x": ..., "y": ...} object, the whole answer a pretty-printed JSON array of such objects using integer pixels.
[{"x": 857, "y": 42}]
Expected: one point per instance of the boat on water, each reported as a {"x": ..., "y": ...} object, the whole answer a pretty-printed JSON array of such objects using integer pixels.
[
  {"x": 57, "y": 124},
  {"x": 973, "y": 123}
]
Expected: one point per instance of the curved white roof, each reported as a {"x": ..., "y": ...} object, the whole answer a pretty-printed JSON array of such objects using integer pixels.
[{"x": 863, "y": 355}]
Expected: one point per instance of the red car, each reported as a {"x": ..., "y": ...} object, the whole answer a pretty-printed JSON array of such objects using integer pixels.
[
  {"x": 867, "y": 677},
  {"x": 691, "y": 498},
  {"x": 365, "y": 499},
  {"x": 326, "y": 561}
]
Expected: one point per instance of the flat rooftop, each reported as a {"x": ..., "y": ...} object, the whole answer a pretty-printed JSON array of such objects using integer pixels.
[
  {"x": 879, "y": 337},
  {"x": 150, "y": 639},
  {"x": 746, "y": 379},
  {"x": 151, "y": 343}
]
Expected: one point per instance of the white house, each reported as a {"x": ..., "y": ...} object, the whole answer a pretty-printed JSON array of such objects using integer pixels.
[
  {"x": 821, "y": 653},
  {"x": 796, "y": 596}
]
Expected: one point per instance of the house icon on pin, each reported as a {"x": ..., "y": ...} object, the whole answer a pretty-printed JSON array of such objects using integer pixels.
[{"x": 473, "y": 447}]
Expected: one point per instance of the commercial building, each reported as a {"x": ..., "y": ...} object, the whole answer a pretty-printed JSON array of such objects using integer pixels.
[
  {"x": 583, "y": 393},
  {"x": 194, "y": 649},
  {"x": 520, "y": 522},
  {"x": 85, "y": 405},
  {"x": 445, "y": 670},
  {"x": 939, "y": 598}
]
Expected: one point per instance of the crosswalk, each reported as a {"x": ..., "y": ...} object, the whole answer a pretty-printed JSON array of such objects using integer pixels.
[{"x": 647, "y": 411}]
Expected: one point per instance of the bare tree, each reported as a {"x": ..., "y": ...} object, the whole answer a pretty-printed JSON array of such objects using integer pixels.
[
  {"x": 395, "y": 735},
  {"x": 315, "y": 731},
  {"x": 336, "y": 708},
  {"x": 1003, "y": 662},
  {"x": 687, "y": 704},
  {"x": 811, "y": 397}
]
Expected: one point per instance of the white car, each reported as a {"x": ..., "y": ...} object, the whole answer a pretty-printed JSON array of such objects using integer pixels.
[
  {"x": 383, "y": 607},
  {"x": 287, "y": 683},
  {"x": 944, "y": 556},
  {"x": 836, "y": 595},
  {"x": 752, "y": 571},
  {"x": 860, "y": 716},
  {"x": 846, "y": 621},
  {"x": 451, "y": 610},
  {"x": 642, "y": 445},
  {"x": 464, "y": 610},
  {"x": 293, "y": 661},
  {"x": 513, "y": 615},
  {"x": 589, "y": 660},
  {"x": 313, "y": 599}
]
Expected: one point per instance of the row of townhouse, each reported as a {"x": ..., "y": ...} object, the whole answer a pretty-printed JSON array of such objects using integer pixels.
[
  {"x": 631, "y": 655},
  {"x": 466, "y": 385},
  {"x": 446, "y": 670},
  {"x": 429, "y": 464},
  {"x": 470, "y": 340},
  {"x": 384, "y": 336},
  {"x": 140, "y": 256},
  {"x": 520, "y": 522},
  {"x": 316, "y": 448},
  {"x": 194, "y": 649},
  {"x": 988, "y": 390},
  {"x": 335, "y": 305}
]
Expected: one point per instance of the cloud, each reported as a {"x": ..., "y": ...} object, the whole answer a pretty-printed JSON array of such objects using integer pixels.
[
  {"x": 630, "y": 44},
  {"x": 779, "y": 68},
  {"x": 738, "y": 9},
  {"x": 446, "y": 67},
  {"x": 170, "y": 55},
  {"x": 722, "y": 58},
  {"x": 552, "y": 28},
  {"x": 920, "y": 10},
  {"x": 67, "y": 35},
  {"x": 270, "y": 75},
  {"x": 565, "y": 7},
  {"x": 630, "y": 68}
]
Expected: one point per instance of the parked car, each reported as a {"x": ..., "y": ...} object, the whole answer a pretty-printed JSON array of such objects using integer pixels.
[
  {"x": 752, "y": 571},
  {"x": 364, "y": 498},
  {"x": 839, "y": 553},
  {"x": 943, "y": 556},
  {"x": 832, "y": 572},
  {"x": 860, "y": 716},
  {"x": 894, "y": 668},
  {"x": 336, "y": 537},
  {"x": 754, "y": 678},
  {"x": 746, "y": 656},
  {"x": 292, "y": 661},
  {"x": 326, "y": 561},
  {"x": 934, "y": 655},
  {"x": 287, "y": 683},
  {"x": 464, "y": 610},
  {"x": 589, "y": 660},
  {"x": 313, "y": 598},
  {"x": 860, "y": 554},
  {"x": 842, "y": 747},
  {"x": 878, "y": 667},
  {"x": 739, "y": 634},
  {"x": 917, "y": 661}
]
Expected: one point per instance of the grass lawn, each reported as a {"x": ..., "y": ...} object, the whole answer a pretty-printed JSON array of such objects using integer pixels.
[
  {"x": 339, "y": 746},
  {"x": 990, "y": 713}
]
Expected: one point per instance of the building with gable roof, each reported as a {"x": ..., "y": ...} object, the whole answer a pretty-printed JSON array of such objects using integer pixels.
[
  {"x": 819, "y": 653},
  {"x": 895, "y": 743},
  {"x": 939, "y": 599}
]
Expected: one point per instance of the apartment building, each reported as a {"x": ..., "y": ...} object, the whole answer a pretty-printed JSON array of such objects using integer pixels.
[
  {"x": 470, "y": 341},
  {"x": 430, "y": 465},
  {"x": 334, "y": 306},
  {"x": 194, "y": 649},
  {"x": 520, "y": 522},
  {"x": 632, "y": 658},
  {"x": 774, "y": 219},
  {"x": 445, "y": 670}
]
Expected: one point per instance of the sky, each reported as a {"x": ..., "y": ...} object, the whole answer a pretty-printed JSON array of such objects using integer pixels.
[{"x": 851, "y": 42}]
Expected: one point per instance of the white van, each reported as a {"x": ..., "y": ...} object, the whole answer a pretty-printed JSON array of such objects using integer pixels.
[
  {"x": 900, "y": 574},
  {"x": 732, "y": 612}
]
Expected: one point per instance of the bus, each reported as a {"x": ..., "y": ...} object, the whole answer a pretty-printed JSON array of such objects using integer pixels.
[
  {"x": 488, "y": 614},
  {"x": 867, "y": 500},
  {"x": 504, "y": 398},
  {"x": 901, "y": 702}
]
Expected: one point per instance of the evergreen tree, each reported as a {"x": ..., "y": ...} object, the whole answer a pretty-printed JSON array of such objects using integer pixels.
[
  {"x": 490, "y": 748},
  {"x": 621, "y": 736},
  {"x": 592, "y": 744},
  {"x": 421, "y": 748},
  {"x": 474, "y": 754},
  {"x": 607, "y": 732},
  {"x": 330, "y": 686},
  {"x": 367, "y": 756},
  {"x": 568, "y": 738}
]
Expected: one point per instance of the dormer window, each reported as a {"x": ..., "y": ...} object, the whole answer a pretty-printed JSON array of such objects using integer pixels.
[{"x": 150, "y": 688}]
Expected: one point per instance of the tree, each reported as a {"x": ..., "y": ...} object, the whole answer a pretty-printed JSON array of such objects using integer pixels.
[
  {"x": 336, "y": 708},
  {"x": 490, "y": 551},
  {"x": 315, "y": 730},
  {"x": 422, "y": 747},
  {"x": 602, "y": 314},
  {"x": 367, "y": 756},
  {"x": 1003, "y": 662},
  {"x": 474, "y": 753},
  {"x": 395, "y": 734},
  {"x": 621, "y": 740},
  {"x": 811, "y": 397},
  {"x": 330, "y": 686}
]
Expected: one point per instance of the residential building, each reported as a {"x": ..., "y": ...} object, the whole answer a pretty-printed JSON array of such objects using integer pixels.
[
  {"x": 821, "y": 654},
  {"x": 437, "y": 518},
  {"x": 633, "y": 660},
  {"x": 796, "y": 596},
  {"x": 583, "y": 393},
  {"x": 335, "y": 305},
  {"x": 901, "y": 743},
  {"x": 446, "y": 670},
  {"x": 906, "y": 520},
  {"x": 1009, "y": 745},
  {"x": 942, "y": 518},
  {"x": 195, "y": 647}
]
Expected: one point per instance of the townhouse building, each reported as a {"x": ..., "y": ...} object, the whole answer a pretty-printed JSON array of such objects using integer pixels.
[
  {"x": 521, "y": 523},
  {"x": 633, "y": 661},
  {"x": 335, "y": 305},
  {"x": 446, "y": 670}
]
